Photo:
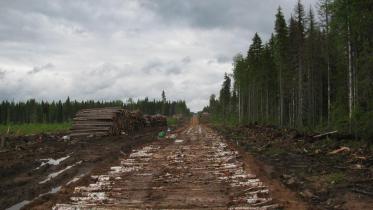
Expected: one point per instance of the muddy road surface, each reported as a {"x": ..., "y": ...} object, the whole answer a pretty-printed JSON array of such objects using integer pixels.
[
  {"x": 37, "y": 168},
  {"x": 193, "y": 168}
]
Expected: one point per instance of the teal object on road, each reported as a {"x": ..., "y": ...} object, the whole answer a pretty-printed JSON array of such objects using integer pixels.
[{"x": 161, "y": 134}]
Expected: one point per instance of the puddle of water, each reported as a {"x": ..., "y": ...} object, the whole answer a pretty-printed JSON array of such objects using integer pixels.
[
  {"x": 54, "y": 190},
  {"x": 75, "y": 179},
  {"x": 55, "y": 174},
  {"x": 51, "y": 161},
  {"x": 18, "y": 205},
  {"x": 25, "y": 202}
]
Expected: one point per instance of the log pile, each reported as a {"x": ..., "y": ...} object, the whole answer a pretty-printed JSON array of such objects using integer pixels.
[
  {"x": 155, "y": 120},
  {"x": 112, "y": 121},
  {"x": 98, "y": 122},
  {"x": 134, "y": 121}
]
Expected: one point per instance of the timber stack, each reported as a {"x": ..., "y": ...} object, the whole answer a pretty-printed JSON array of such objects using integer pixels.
[
  {"x": 156, "y": 120},
  {"x": 112, "y": 121},
  {"x": 134, "y": 121},
  {"x": 98, "y": 122}
]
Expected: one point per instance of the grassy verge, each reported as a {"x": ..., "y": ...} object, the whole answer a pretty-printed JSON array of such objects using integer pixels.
[
  {"x": 219, "y": 121},
  {"x": 34, "y": 128},
  {"x": 171, "y": 121}
]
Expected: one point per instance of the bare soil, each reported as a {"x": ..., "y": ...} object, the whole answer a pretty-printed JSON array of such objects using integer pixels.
[
  {"x": 285, "y": 196},
  {"x": 25, "y": 170},
  {"x": 315, "y": 170},
  {"x": 193, "y": 168}
]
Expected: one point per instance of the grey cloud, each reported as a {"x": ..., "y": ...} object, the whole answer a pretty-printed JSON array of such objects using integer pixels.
[
  {"x": 36, "y": 22},
  {"x": 169, "y": 67},
  {"x": 152, "y": 66},
  {"x": 163, "y": 85},
  {"x": 2, "y": 74},
  {"x": 173, "y": 70},
  {"x": 222, "y": 13},
  {"x": 41, "y": 21},
  {"x": 104, "y": 69},
  {"x": 38, "y": 69},
  {"x": 223, "y": 59},
  {"x": 186, "y": 60},
  {"x": 182, "y": 46},
  {"x": 100, "y": 78},
  {"x": 17, "y": 27}
]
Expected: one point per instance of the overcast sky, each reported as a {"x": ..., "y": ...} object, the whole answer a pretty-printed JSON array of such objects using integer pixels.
[{"x": 116, "y": 49}]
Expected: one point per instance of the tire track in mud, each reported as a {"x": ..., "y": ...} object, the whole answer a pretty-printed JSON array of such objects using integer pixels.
[{"x": 197, "y": 170}]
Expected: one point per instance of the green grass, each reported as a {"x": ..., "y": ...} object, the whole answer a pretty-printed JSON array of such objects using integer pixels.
[
  {"x": 336, "y": 178},
  {"x": 219, "y": 121},
  {"x": 171, "y": 121},
  {"x": 272, "y": 151},
  {"x": 34, "y": 128}
]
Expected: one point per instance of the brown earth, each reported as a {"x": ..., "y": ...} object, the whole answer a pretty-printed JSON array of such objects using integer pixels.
[
  {"x": 325, "y": 173},
  {"x": 286, "y": 197},
  {"x": 193, "y": 169},
  {"x": 24, "y": 173}
]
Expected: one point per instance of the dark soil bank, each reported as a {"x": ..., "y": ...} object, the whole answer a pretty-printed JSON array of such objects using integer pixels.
[
  {"x": 326, "y": 173},
  {"x": 24, "y": 175}
]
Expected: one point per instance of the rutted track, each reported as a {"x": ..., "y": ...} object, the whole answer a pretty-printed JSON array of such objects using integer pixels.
[
  {"x": 197, "y": 170},
  {"x": 38, "y": 174}
]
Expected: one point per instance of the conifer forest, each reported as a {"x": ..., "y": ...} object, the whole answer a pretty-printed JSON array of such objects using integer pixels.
[{"x": 314, "y": 73}]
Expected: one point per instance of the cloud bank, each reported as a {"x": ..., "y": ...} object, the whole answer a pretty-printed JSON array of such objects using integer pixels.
[{"x": 113, "y": 49}]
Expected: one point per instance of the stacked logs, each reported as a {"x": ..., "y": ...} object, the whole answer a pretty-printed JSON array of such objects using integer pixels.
[
  {"x": 134, "y": 121},
  {"x": 148, "y": 120},
  {"x": 98, "y": 122},
  {"x": 155, "y": 120},
  {"x": 112, "y": 121}
]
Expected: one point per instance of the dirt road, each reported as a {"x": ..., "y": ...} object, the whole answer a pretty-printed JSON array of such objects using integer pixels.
[
  {"x": 197, "y": 169},
  {"x": 34, "y": 172}
]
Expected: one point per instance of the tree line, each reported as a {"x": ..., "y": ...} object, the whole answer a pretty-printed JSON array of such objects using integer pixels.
[
  {"x": 33, "y": 111},
  {"x": 313, "y": 73},
  {"x": 162, "y": 106}
]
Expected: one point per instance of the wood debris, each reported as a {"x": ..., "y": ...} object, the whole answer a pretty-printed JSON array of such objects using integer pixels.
[
  {"x": 324, "y": 134},
  {"x": 342, "y": 149}
]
